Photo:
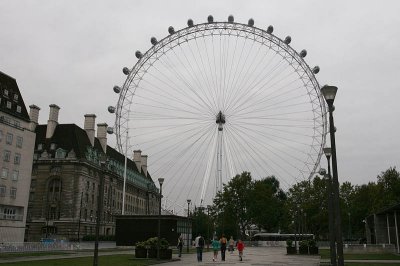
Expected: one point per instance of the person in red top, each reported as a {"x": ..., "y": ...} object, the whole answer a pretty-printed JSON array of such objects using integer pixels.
[{"x": 240, "y": 247}]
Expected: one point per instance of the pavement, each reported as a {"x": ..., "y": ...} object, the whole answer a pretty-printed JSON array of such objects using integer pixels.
[{"x": 257, "y": 256}]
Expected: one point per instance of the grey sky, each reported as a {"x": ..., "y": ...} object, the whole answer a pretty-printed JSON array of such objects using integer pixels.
[{"x": 71, "y": 53}]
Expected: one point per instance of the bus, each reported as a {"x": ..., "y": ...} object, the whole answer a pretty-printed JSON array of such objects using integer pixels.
[{"x": 278, "y": 239}]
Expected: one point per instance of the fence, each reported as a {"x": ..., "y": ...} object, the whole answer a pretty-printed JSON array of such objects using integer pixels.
[{"x": 37, "y": 246}]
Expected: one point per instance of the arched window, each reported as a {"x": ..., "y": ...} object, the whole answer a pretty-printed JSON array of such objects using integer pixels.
[{"x": 54, "y": 190}]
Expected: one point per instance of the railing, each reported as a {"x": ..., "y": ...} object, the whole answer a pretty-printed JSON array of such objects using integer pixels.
[
  {"x": 37, "y": 246},
  {"x": 13, "y": 217}
]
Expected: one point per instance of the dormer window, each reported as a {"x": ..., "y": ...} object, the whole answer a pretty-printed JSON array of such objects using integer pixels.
[
  {"x": 40, "y": 147},
  {"x": 52, "y": 146},
  {"x": 60, "y": 153},
  {"x": 8, "y": 104},
  {"x": 18, "y": 109},
  {"x": 6, "y": 92},
  {"x": 16, "y": 97}
]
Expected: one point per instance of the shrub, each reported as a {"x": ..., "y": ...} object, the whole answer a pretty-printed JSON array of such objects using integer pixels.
[
  {"x": 303, "y": 243},
  {"x": 312, "y": 243},
  {"x": 289, "y": 243},
  {"x": 141, "y": 245}
]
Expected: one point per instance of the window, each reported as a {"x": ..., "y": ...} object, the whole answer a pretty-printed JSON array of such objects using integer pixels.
[
  {"x": 2, "y": 191},
  {"x": 18, "y": 109},
  {"x": 17, "y": 123},
  {"x": 6, "y": 155},
  {"x": 4, "y": 173},
  {"x": 13, "y": 192},
  {"x": 17, "y": 158},
  {"x": 60, "y": 153},
  {"x": 52, "y": 146},
  {"x": 16, "y": 97},
  {"x": 5, "y": 91},
  {"x": 9, "y": 213},
  {"x": 8, "y": 104},
  {"x": 9, "y": 138},
  {"x": 40, "y": 147},
  {"x": 1, "y": 135},
  {"x": 54, "y": 190},
  {"x": 15, "y": 175},
  {"x": 19, "y": 142}
]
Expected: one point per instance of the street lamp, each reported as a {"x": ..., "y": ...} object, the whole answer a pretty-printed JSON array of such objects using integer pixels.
[
  {"x": 331, "y": 211},
  {"x": 187, "y": 248},
  {"x": 161, "y": 181},
  {"x": 103, "y": 163},
  {"x": 329, "y": 93},
  {"x": 208, "y": 226}
]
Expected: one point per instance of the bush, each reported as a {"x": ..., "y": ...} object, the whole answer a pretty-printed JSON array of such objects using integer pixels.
[
  {"x": 141, "y": 245},
  {"x": 153, "y": 241},
  {"x": 289, "y": 243},
  {"x": 312, "y": 243},
  {"x": 303, "y": 243}
]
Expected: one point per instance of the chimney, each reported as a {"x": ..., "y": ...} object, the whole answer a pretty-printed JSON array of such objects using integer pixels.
[
  {"x": 88, "y": 126},
  {"x": 144, "y": 164},
  {"x": 137, "y": 158},
  {"x": 34, "y": 116},
  {"x": 53, "y": 120},
  {"x": 102, "y": 135}
]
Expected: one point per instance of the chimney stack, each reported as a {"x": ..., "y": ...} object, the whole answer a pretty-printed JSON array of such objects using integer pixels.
[
  {"x": 137, "y": 158},
  {"x": 34, "y": 116},
  {"x": 144, "y": 164},
  {"x": 102, "y": 135},
  {"x": 53, "y": 120},
  {"x": 88, "y": 126}
]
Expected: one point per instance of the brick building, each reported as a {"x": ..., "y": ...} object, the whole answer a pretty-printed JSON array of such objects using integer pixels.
[{"x": 65, "y": 181}]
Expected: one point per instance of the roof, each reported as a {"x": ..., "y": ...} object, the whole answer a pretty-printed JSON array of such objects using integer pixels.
[
  {"x": 71, "y": 137},
  {"x": 10, "y": 93},
  {"x": 395, "y": 207}
]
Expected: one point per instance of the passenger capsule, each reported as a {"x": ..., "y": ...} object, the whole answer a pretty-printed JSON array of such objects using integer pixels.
[
  {"x": 171, "y": 30},
  {"x": 287, "y": 40},
  {"x": 251, "y": 22},
  {"x": 153, "y": 40},
  {"x": 303, "y": 53},
  {"x": 111, "y": 109},
  {"x": 231, "y": 19},
  {"x": 110, "y": 130},
  {"x": 270, "y": 29},
  {"x": 210, "y": 19},
  {"x": 117, "y": 89},
  {"x": 315, "y": 70},
  {"x": 138, "y": 54},
  {"x": 190, "y": 23},
  {"x": 125, "y": 70}
]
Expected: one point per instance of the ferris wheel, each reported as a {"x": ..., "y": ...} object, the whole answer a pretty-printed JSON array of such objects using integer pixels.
[{"x": 215, "y": 99}]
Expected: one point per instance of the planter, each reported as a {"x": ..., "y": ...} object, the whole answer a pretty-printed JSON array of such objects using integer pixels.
[
  {"x": 313, "y": 250},
  {"x": 140, "y": 253},
  {"x": 152, "y": 253},
  {"x": 303, "y": 250},
  {"x": 291, "y": 250},
  {"x": 166, "y": 254}
]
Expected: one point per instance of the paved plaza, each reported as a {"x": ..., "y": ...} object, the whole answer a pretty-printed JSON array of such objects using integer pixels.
[{"x": 252, "y": 256}]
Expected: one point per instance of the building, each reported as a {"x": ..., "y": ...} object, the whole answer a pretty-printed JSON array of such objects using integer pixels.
[
  {"x": 383, "y": 227},
  {"x": 66, "y": 177},
  {"x": 17, "y": 139}
]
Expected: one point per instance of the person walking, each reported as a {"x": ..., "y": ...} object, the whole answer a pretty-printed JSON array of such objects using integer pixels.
[
  {"x": 231, "y": 244},
  {"x": 180, "y": 246},
  {"x": 223, "y": 241},
  {"x": 240, "y": 248},
  {"x": 216, "y": 247},
  {"x": 199, "y": 244}
]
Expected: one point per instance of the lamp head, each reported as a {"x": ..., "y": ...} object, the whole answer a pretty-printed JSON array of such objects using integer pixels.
[
  {"x": 161, "y": 181},
  {"x": 188, "y": 201},
  {"x": 328, "y": 151},
  {"x": 329, "y": 93}
]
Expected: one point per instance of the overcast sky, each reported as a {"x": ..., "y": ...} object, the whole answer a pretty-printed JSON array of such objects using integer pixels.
[{"x": 71, "y": 53}]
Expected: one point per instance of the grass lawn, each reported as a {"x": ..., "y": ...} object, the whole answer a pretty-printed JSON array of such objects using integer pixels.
[
  {"x": 369, "y": 264},
  {"x": 112, "y": 260},
  {"x": 31, "y": 254},
  {"x": 382, "y": 256}
]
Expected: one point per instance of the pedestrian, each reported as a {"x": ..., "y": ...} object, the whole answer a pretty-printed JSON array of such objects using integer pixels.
[
  {"x": 180, "y": 246},
  {"x": 199, "y": 244},
  {"x": 240, "y": 248},
  {"x": 223, "y": 241},
  {"x": 216, "y": 247},
  {"x": 231, "y": 244}
]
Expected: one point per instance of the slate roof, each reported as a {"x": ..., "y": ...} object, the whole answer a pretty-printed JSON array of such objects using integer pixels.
[
  {"x": 9, "y": 84},
  {"x": 71, "y": 136}
]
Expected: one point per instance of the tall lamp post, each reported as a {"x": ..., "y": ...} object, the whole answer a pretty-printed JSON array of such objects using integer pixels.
[
  {"x": 329, "y": 93},
  {"x": 187, "y": 248},
  {"x": 103, "y": 163},
  {"x": 208, "y": 227},
  {"x": 331, "y": 211},
  {"x": 161, "y": 181}
]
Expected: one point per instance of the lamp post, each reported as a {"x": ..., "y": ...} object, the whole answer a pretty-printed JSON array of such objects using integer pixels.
[
  {"x": 187, "y": 248},
  {"x": 161, "y": 181},
  {"x": 331, "y": 214},
  {"x": 329, "y": 93},
  {"x": 208, "y": 227},
  {"x": 103, "y": 163},
  {"x": 80, "y": 215}
]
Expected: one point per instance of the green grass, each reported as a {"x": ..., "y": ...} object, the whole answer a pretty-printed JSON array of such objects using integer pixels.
[
  {"x": 368, "y": 264},
  {"x": 31, "y": 254},
  {"x": 365, "y": 256},
  {"x": 112, "y": 260}
]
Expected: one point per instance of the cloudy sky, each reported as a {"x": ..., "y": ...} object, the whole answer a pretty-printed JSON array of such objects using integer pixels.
[{"x": 71, "y": 53}]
